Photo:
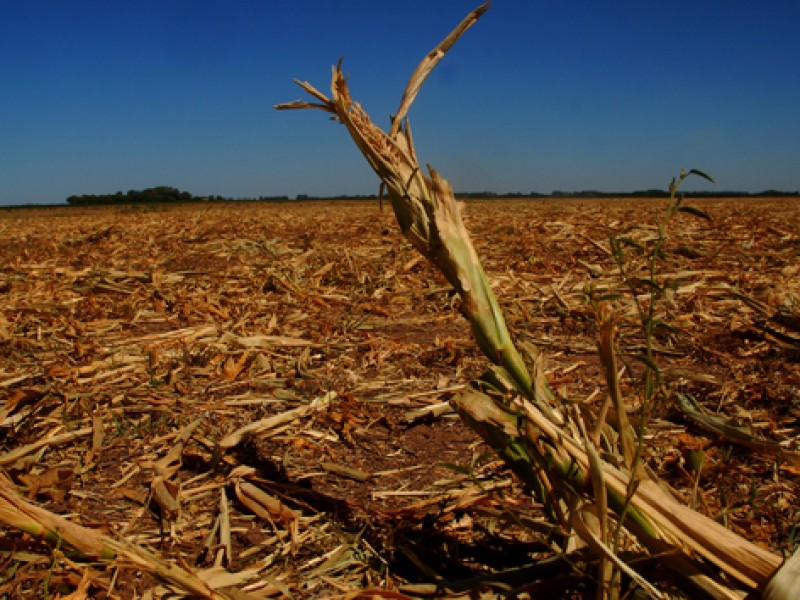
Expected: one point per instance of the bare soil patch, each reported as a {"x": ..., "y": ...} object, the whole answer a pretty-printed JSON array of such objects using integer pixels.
[{"x": 127, "y": 326}]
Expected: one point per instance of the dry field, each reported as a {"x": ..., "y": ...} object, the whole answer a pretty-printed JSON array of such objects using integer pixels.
[{"x": 137, "y": 342}]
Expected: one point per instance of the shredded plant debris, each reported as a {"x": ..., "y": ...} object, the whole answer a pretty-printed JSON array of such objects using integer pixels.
[{"x": 251, "y": 400}]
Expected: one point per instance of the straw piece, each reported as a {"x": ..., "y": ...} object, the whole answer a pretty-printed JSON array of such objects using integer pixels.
[
  {"x": 428, "y": 64},
  {"x": 13, "y": 456},
  {"x": 16, "y": 512},
  {"x": 270, "y": 423},
  {"x": 345, "y": 471}
]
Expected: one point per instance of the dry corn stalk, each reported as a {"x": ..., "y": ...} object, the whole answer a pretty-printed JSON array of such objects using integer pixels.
[
  {"x": 538, "y": 438},
  {"x": 426, "y": 209},
  {"x": 38, "y": 522}
]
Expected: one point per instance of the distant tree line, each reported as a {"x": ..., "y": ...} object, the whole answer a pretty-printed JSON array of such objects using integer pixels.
[
  {"x": 656, "y": 193},
  {"x": 155, "y": 195},
  {"x": 339, "y": 197},
  {"x": 651, "y": 193},
  {"x": 166, "y": 195},
  {"x": 159, "y": 195}
]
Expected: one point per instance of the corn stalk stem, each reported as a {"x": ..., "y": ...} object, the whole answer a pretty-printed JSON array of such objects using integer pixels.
[
  {"x": 426, "y": 209},
  {"x": 521, "y": 422},
  {"x": 38, "y": 522}
]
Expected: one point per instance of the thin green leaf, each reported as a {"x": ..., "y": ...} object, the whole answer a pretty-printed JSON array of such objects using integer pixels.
[
  {"x": 609, "y": 297},
  {"x": 646, "y": 284},
  {"x": 616, "y": 250},
  {"x": 700, "y": 173},
  {"x": 626, "y": 241},
  {"x": 648, "y": 363},
  {"x": 659, "y": 253},
  {"x": 694, "y": 211},
  {"x": 457, "y": 468},
  {"x": 658, "y": 324}
]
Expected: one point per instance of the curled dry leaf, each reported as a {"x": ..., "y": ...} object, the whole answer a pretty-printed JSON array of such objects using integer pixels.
[{"x": 264, "y": 505}]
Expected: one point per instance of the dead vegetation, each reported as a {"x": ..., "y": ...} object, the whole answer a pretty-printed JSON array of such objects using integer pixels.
[
  {"x": 584, "y": 465},
  {"x": 253, "y": 398}
]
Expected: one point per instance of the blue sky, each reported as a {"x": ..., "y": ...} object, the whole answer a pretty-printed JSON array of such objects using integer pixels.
[{"x": 101, "y": 96}]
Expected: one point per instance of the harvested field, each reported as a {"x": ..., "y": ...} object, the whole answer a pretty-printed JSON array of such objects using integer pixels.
[{"x": 256, "y": 394}]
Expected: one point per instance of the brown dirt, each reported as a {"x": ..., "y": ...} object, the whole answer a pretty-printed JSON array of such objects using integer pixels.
[{"x": 132, "y": 323}]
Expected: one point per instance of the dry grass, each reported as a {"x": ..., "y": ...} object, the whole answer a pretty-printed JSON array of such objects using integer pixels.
[{"x": 137, "y": 342}]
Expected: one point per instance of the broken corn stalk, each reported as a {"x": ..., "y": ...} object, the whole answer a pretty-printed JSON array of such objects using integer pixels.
[
  {"x": 537, "y": 436},
  {"x": 20, "y": 514},
  {"x": 425, "y": 207}
]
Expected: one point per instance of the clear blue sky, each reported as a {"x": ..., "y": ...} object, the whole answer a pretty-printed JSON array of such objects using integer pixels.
[{"x": 101, "y": 96}]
